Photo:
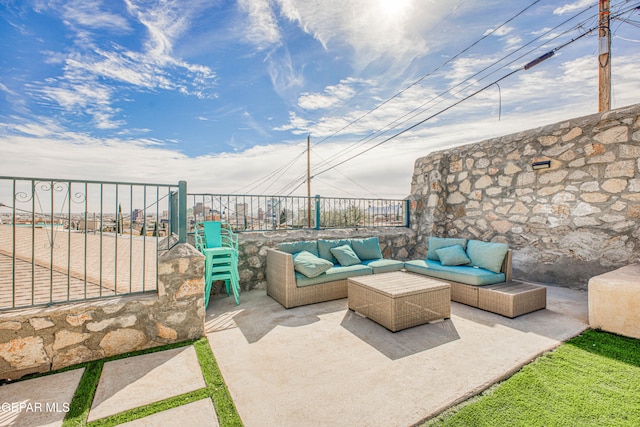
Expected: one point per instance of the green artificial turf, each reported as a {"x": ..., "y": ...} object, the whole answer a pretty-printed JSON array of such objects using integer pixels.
[
  {"x": 592, "y": 380},
  {"x": 215, "y": 389},
  {"x": 81, "y": 402}
]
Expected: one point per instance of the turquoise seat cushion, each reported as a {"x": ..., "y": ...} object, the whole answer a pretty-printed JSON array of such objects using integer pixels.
[
  {"x": 310, "y": 265},
  {"x": 384, "y": 265},
  {"x": 436, "y": 243},
  {"x": 345, "y": 255},
  {"x": 487, "y": 255},
  {"x": 295, "y": 247},
  {"x": 463, "y": 274},
  {"x": 453, "y": 255},
  {"x": 367, "y": 248},
  {"x": 333, "y": 274},
  {"x": 324, "y": 248}
]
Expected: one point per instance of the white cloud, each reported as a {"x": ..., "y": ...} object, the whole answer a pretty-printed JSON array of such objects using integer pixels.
[
  {"x": 81, "y": 97},
  {"x": 359, "y": 122},
  {"x": 541, "y": 31},
  {"x": 368, "y": 28},
  {"x": 287, "y": 80},
  {"x": 89, "y": 14},
  {"x": 296, "y": 124},
  {"x": 499, "y": 32},
  {"x": 263, "y": 30},
  {"x": 529, "y": 100},
  {"x": 534, "y": 91},
  {"x": 253, "y": 124},
  {"x": 513, "y": 42},
  {"x": 333, "y": 95},
  {"x": 95, "y": 75},
  {"x": 43, "y": 128},
  {"x": 95, "y": 71},
  {"x": 572, "y": 7},
  {"x": 465, "y": 67}
]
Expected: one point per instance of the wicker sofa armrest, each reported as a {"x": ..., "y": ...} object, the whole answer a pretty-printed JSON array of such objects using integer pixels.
[
  {"x": 281, "y": 283},
  {"x": 506, "y": 265},
  {"x": 281, "y": 279}
]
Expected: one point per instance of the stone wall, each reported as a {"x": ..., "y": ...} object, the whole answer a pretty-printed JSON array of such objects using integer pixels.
[
  {"x": 43, "y": 339},
  {"x": 574, "y": 220},
  {"x": 394, "y": 242}
]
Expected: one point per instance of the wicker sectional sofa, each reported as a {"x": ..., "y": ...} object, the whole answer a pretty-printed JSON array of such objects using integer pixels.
[
  {"x": 291, "y": 288},
  {"x": 492, "y": 265},
  {"x": 482, "y": 281}
]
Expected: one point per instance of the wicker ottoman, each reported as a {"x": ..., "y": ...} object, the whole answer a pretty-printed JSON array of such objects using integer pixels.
[
  {"x": 512, "y": 298},
  {"x": 399, "y": 300}
]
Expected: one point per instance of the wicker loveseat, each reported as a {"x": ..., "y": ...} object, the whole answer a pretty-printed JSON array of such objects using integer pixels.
[{"x": 291, "y": 288}]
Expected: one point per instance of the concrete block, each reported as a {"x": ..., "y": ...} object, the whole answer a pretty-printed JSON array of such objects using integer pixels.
[{"x": 614, "y": 298}]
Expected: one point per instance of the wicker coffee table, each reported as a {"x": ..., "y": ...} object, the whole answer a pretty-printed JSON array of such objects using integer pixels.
[{"x": 399, "y": 300}]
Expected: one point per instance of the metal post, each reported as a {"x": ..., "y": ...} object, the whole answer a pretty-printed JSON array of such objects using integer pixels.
[
  {"x": 407, "y": 213},
  {"x": 317, "y": 212},
  {"x": 182, "y": 212},
  {"x": 309, "y": 181}
]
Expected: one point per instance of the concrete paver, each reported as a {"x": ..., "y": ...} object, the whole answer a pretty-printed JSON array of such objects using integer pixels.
[
  {"x": 42, "y": 401},
  {"x": 323, "y": 365},
  {"x": 137, "y": 381},
  {"x": 199, "y": 413}
]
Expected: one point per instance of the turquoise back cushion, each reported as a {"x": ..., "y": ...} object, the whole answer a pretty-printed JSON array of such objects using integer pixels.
[
  {"x": 295, "y": 247},
  {"x": 310, "y": 265},
  {"x": 436, "y": 243},
  {"x": 345, "y": 255},
  {"x": 487, "y": 255},
  {"x": 324, "y": 248},
  {"x": 453, "y": 255},
  {"x": 367, "y": 248}
]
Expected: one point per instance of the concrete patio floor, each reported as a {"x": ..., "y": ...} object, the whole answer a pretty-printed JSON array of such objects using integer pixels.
[{"x": 323, "y": 365}]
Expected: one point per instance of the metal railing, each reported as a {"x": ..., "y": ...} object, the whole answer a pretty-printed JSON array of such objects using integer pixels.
[
  {"x": 71, "y": 240},
  {"x": 64, "y": 240},
  {"x": 263, "y": 213}
]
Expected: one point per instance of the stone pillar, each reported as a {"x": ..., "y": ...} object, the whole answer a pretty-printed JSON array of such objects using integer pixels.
[{"x": 180, "y": 314}]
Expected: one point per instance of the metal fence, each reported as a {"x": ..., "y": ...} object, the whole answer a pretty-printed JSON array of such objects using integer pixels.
[
  {"x": 67, "y": 240},
  {"x": 70, "y": 240},
  {"x": 263, "y": 213}
]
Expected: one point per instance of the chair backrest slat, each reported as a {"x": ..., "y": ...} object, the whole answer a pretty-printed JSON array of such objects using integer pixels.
[{"x": 213, "y": 234}]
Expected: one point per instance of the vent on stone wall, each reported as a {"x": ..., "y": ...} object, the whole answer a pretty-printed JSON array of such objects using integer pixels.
[{"x": 545, "y": 164}]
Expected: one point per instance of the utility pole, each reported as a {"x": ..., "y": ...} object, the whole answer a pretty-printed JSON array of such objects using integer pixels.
[
  {"x": 309, "y": 181},
  {"x": 604, "y": 57}
]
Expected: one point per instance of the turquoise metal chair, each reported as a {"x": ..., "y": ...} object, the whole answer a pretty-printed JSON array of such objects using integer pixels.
[{"x": 219, "y": 245}]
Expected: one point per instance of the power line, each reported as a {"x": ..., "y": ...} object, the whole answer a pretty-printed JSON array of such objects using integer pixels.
[
  {"x": 525, "y": 67},
  {"x": 381, "y": 131},
  {"x": 373, "y": 134},
  {"x": 301, "y": 179},
  {"x": 487, "y": 34},
  {"x": 419, "y": 123},
  {"x": 350, "y": 179},
  {"x": 578, "y": 26},
  {"x": 256, "y": 183},
  {"x": 458, "y": 6}
]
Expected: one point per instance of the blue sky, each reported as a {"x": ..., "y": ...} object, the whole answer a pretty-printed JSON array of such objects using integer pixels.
[{"x": 223, "y": 93}]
